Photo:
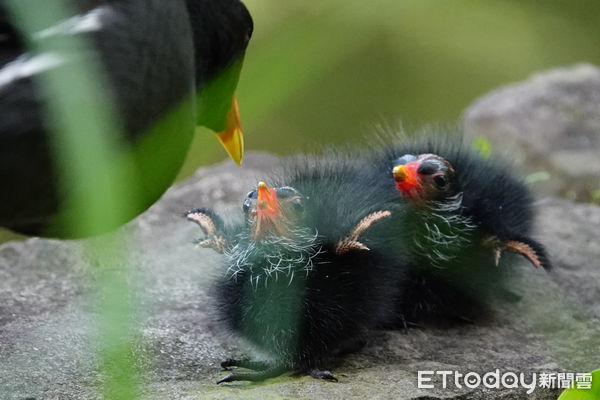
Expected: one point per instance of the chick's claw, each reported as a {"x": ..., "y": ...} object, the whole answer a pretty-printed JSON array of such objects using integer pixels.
[
  {"x": 226, "y": 378},
  {"x": 254, "y": 376},
  {"x": 212, "y": 226},
  {"x": 244, "y": 363}
]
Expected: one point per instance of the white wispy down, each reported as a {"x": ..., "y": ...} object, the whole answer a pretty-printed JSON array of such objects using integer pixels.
[
  {"x": 444, "y": 230},
  {"x": 274, "y": 257}
]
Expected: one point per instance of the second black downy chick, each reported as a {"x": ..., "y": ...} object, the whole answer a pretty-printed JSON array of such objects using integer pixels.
[
  {"x": 302, "y": 285},
  {"x": 462, "y": 213}
]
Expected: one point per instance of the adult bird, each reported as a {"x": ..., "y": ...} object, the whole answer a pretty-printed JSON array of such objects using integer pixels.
[{"x": 166, "y": 67}]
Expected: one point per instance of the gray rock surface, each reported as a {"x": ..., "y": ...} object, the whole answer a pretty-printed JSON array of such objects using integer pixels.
[
  {"x": 49, "y": 316},
  {"x": 550, "y": 122}
]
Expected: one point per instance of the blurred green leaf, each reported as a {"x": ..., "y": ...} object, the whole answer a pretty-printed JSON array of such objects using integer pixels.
[
  {"x": 90, "y": 155},
  {"x": 584, "y": 394},
  {"x": 596, "y": 196},
  {"x": 482, "y": 146},
  {"x": 538, "y": 176}
]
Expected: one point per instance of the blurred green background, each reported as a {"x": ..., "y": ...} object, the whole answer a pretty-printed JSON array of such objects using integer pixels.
[{"x": 326, "y": 71}]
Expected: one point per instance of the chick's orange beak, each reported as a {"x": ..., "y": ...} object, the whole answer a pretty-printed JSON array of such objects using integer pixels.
[
  {"x": 267, "y": 204},
  {"x": 407, "y": 180},
  {"x": 268, "y": 213},
  {"x": 232, "y": 137}
]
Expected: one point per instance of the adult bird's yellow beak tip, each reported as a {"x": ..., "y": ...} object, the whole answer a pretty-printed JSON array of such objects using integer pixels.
[{"x": 232, "y": 137}]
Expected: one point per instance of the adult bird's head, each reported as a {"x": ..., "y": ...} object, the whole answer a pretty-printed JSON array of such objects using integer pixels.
[
  {"x": 424, "y": 177},
  {"x": 272, "y": 210},
  {"x": 221, "y": 32}
]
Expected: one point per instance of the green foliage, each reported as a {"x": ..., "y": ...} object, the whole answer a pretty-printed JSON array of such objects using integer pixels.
[
  {"x": 538, "y": 176},
  {"x": 90, "y": 158},
  {"x": 584, "y": 394},
  {"x": 596, "y": 196},
  {"x": 482, "y": 146}
]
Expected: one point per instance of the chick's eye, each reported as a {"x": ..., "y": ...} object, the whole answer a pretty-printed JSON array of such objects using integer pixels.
[
  {"x": 440, "y": 180},
  {"x": 297, "y": 204},
  {"x": 286, "y": 192},
  {"x": 246, "y": 206}
]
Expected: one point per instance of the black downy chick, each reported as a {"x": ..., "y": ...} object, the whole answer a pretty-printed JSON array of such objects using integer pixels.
[
  {"x": 302, "y": 284},
  {"x": 462, "y": 213}
]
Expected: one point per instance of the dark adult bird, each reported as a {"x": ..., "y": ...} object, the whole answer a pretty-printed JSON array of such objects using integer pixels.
[
  {"x": 302, "y": 284},
  {"x": 168, "y": 66}
]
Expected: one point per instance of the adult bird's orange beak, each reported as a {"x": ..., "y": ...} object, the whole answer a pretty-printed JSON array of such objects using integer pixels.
[
  {"x": 232, "y": 137},
  {"x": 407, "y": 180}
]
